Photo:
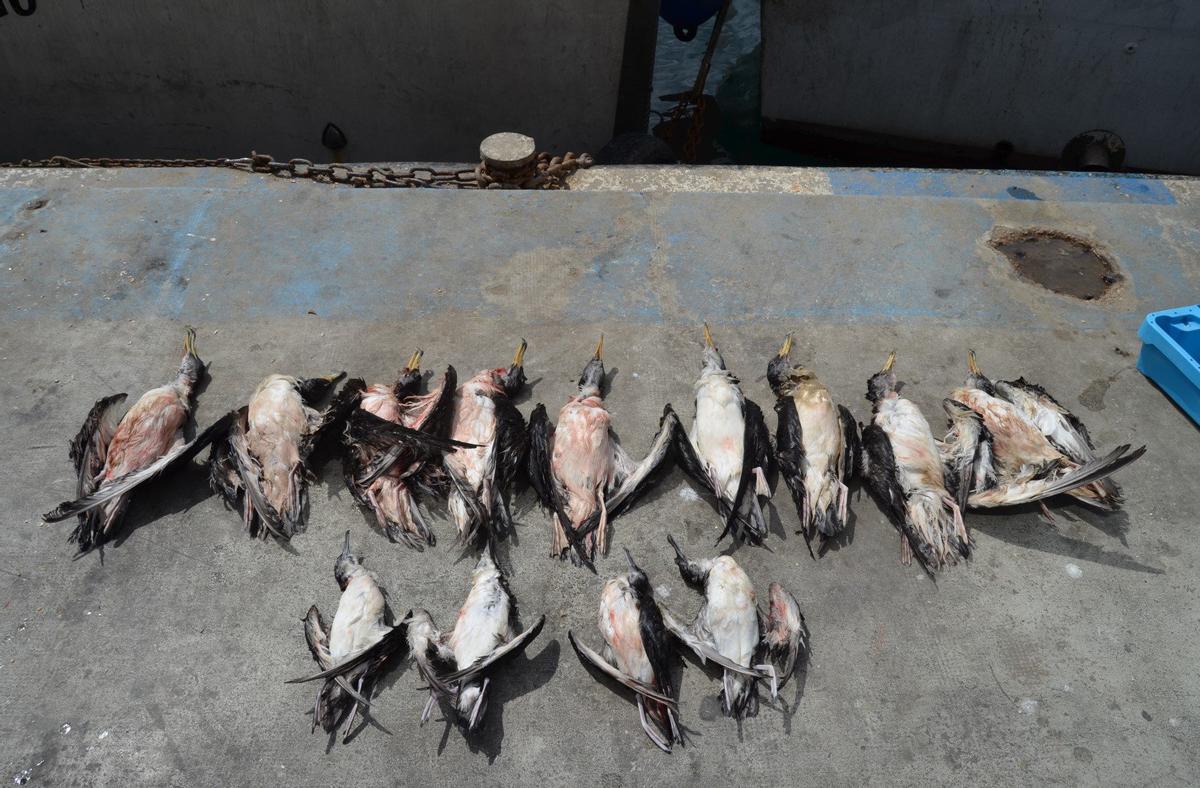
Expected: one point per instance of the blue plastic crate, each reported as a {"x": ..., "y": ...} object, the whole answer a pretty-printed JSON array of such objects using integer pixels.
[{"x": 1171, "y": 355}]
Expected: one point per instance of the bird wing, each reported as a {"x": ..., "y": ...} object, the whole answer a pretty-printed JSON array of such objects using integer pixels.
[
  {"x": 591, "y": 657},
  {"x": 512, "y": 442},
  {"x": 851, "y": 444},
  {"x": 121, "y": 485},
  {"x": 1038, "y": 488},
  {"x": 90, "y": 446},
  {"x": 344, "y": 403},
  {"x": 391, "y": 643},
  {"x": 961, "y": 450},
  {"x": 317, "y": 637},
  {"x": 513, "y": 646},
  {"x": 1067, "y": 432},
  {"x": 756, "y": 453},
  {"x": 88, "y": 452},
  {"x": 390, "y": 441},
  {"x": 249, "y": 473},
  {"x": 703, "y": 650},
  {"x": 689, "y": 461},
  {"x": 541, "y": 474},
  {"x": 439, "y": 415},
  {"x": 882, "y": 475},
  {"x": 883, "y": 480},
  {"x": 785, "y": 634},
  {"x": 540, "y": 441},
  {"x": 789, "y": 453},
  {"x": 635, "y": 478},
  {"x": 655, "y": 642}
]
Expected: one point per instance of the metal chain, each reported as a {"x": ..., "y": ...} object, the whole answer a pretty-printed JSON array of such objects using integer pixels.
[{"x": 544, "y": 172}]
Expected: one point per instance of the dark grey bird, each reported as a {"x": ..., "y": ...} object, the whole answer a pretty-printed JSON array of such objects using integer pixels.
[
  {"x": 354, "y": 651},
  {"x": 113, "y": 454},
  {"x": 581, "y": 474},
  {"x": 735, "y": 634}
]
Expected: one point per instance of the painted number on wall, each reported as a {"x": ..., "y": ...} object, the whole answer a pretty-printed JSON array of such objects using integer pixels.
[{"x": 19, "y": 7}]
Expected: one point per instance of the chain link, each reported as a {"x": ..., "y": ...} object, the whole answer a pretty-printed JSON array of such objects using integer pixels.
[{"x": 544, "y": 172}]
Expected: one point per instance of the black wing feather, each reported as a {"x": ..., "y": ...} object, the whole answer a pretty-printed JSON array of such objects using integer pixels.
[
  {"x": 686, "y": 456},
  {"x": 756, "y": 453},
  {"x": 437, "y": 421},
  {"x": 512, "y": 441},
  {"x": 125, "y": 484},
  {"x": 883, "y": 481},
  {"x": 87, "y": 455},
  {"x": 541, "y": 477},
  {"x": 655, "y": 640},
  {"x": 344, "y": 403},
  {"x": 851, "y": 445},
  {"x": 789, "y": 453}
]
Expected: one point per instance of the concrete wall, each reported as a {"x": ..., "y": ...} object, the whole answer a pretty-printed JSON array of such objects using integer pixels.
[
  {"x": 404, "y": 79},
  {"x": 975, "y": 72}
]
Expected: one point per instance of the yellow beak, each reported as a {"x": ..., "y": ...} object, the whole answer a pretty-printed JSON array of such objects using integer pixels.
[
  {"x": 786, "y": 349},
  {"x": 891, "y": 359},
  {"x": 414, "y": 361},
  {"x": 708, "y": 340},
  {"x": 971, "y": 365},
  {"x": 189, "y": 340},
  {"x": 599, "y": 348},
  {"x": 519, "y": 358}
]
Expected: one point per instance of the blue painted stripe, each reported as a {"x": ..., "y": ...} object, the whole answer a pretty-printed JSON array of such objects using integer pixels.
[{"x": 1056, "y": 187}]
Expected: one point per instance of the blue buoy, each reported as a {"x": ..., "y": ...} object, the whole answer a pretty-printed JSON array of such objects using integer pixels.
[{"x": 686, "y": 16}]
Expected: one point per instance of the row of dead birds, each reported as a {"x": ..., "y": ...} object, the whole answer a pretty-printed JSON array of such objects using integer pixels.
[
  {"x": 1009, "y": 443},
  {"x": 746, "y": 643}
]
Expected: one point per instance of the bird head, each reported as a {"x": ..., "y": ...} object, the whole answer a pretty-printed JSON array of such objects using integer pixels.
[
  {"x": 637, "y": 578},
  {"x": 975, "y": 377},
  {"x": 782, "y": 374},
  {"x": 410, "y": 377},
  {"x": 712, "y": 357},
  {"x": 347, "y": 562},
  {"x": 883, "y": 382},
  {"x": 512, "y": 379},
  {"x": 191, "y": 368},
  {"x": 591, "y": 382}
]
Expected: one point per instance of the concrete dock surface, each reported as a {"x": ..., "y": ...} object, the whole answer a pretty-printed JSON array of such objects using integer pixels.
[{"x": 1063, "y": 652}]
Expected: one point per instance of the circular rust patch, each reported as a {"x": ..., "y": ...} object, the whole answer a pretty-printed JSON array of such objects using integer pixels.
[{"x": 1057, "y": 261}]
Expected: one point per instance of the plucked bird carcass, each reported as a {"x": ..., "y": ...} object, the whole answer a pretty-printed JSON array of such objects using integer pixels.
[
  {"x": 113, "y": 453},
  {"x": 581, "y": 474}
]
